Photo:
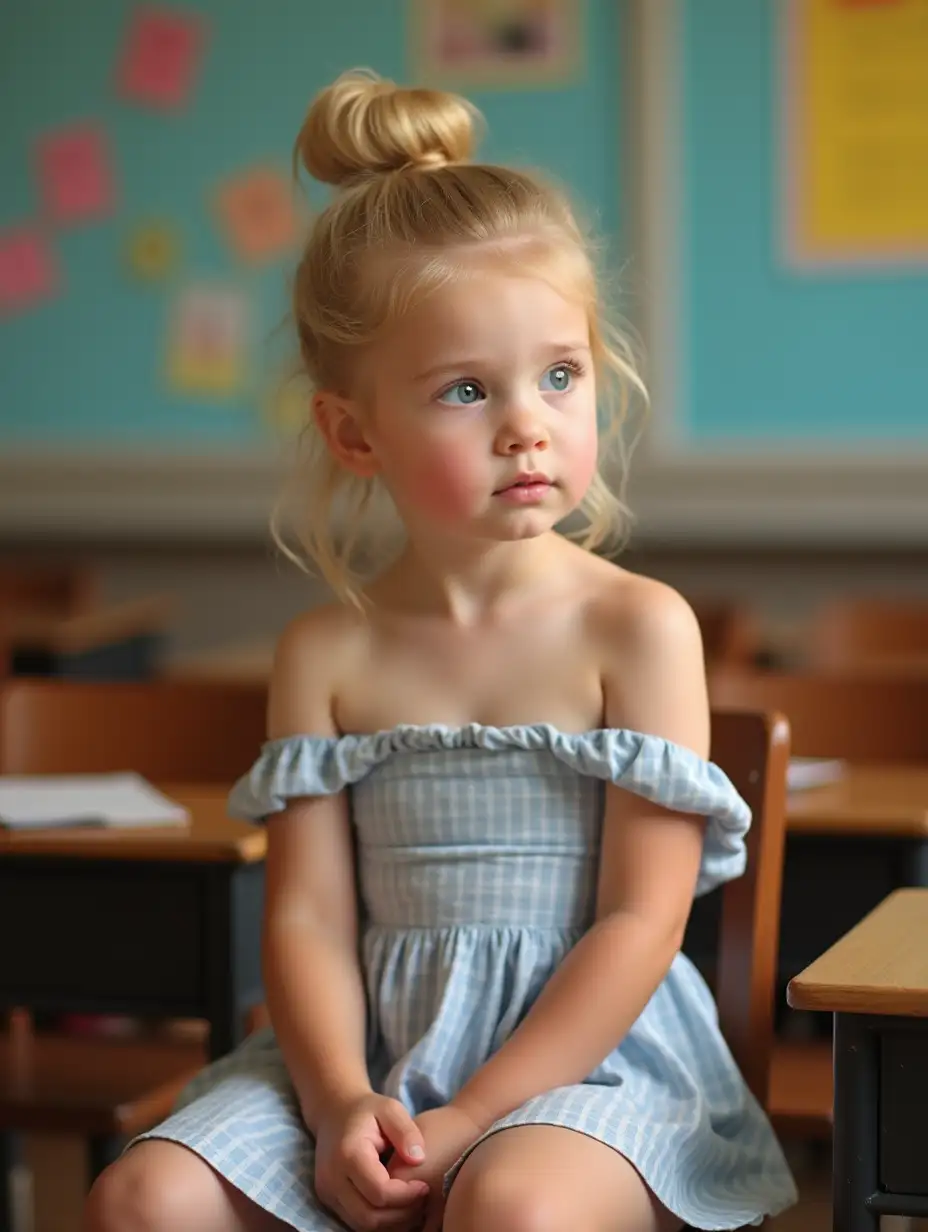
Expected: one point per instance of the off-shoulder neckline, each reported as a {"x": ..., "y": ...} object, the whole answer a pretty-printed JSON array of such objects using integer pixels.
[{"x": 451, "y": 735}]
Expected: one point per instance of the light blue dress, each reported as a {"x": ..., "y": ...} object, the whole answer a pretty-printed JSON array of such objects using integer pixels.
[{"x": 477, "y": 864}]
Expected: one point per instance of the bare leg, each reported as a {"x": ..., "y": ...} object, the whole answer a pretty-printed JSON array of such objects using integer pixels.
[
  {"x": 160, "y": 1186},
  {"x": 540, "y": 1178}
]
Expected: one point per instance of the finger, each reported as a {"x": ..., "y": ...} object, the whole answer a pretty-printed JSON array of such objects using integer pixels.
[
  {"x": 401, "y": 1131},
  {"x": 378, "y": 1187},
  {"x": 357, "y": 1213}
]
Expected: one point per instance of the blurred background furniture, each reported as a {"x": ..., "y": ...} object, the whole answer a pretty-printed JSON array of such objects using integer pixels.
[
  {"x": 849, "y": 842},
  {"x": 53, "y": 622},
  {"x": 873, "y": 983},
  {"x": 869, "y": 633},
  {"x": 158, "y": 923}
]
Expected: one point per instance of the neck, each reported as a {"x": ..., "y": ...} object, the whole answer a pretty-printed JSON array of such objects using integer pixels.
[{"x": 467, "y": 581}]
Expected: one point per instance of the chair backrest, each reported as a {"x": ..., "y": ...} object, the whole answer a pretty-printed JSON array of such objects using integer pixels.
[
  {"x": 729, "y": 632},
  {"x": 855, "y": 633},
  {"x": 753, "y": 750},
  {"x": 865, "y": 717},
  {"x": 193, "y": 732},
  {"x": 59, "y": 591}
]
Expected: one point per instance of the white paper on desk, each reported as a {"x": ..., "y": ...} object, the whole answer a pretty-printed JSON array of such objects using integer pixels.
[
  {"x": 119, "y": 801},
  {"x": 807, "y": 772}
]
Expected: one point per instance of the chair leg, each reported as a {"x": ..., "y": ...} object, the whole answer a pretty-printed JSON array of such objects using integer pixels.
[
  {"x": 102, "y": 1150},
  {"x": 15, "y": 1186}
]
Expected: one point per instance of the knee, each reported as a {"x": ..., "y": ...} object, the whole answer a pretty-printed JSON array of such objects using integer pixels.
[
  {"x": 499, "y": 1199},
  {"x": 148, "y": 1190}
]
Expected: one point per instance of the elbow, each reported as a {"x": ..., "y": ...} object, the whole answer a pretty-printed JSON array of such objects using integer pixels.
[
  {"x": 670, "y": 932},
  {"x": 659, "y": 935}
]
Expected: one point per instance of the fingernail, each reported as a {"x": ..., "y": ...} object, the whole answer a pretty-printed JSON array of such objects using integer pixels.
[{"x": 416, "y": 1152}]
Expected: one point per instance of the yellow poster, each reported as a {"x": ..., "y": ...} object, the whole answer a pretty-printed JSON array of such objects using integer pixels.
[{"x": 855, "y": 95}]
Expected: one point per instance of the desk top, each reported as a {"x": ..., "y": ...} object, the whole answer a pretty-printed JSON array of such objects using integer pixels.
[
  {"x": 868, "y": 799},
  {"x": 879, "y": 967},
  {"x": 209, "y": 837},
  {"x": 31, "y": 629}
]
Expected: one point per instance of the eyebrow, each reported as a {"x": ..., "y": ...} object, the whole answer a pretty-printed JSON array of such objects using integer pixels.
[{"x": 467, "y": 365}]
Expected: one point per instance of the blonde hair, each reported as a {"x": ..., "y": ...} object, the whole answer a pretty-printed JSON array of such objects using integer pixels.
[{"x": 407, "y": 203}]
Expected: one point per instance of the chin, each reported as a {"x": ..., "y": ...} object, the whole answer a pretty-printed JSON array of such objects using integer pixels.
[{"x": 527, "y": 524}]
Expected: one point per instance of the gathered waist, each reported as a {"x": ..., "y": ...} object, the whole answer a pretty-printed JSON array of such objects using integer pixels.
[{"x": 428, "y": 887}]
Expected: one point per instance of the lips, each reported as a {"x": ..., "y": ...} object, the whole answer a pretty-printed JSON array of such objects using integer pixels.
[{"x": 534, "y": 479}]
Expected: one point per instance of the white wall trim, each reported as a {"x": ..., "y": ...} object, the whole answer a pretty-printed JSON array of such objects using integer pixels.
[
  {"x": 69, "y": 498},
  {"x": 132, "y": 495}
]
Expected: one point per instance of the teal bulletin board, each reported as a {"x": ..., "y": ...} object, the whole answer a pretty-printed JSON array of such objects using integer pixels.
[{"x": 85, "y": 337}]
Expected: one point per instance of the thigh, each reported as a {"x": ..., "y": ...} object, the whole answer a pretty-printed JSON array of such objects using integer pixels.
[
  {"x": 536, "y": 1178},
  {"x": 162, "y": 1187}
]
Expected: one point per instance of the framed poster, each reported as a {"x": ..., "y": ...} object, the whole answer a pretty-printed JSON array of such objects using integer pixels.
[
  {"x": 853, "y": 84},
  {"x": 459, "y": 44}
]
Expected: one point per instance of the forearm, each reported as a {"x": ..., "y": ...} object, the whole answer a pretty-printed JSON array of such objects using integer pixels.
[
  {"x": 315, "y": 995},
  {"x": 582, "y": 1014}
]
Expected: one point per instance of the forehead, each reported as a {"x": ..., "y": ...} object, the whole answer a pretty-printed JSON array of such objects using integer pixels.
[{"x": 485, "y": 314}]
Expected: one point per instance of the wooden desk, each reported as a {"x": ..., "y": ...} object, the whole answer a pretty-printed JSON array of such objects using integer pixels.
[
  {"x": 162, "y": 922},
  {"x": 875, "y": 983},
  {"x": 849, "y": 845},
  {"x": 112, "y": 641},
  {"x": 868, "y": 799}
]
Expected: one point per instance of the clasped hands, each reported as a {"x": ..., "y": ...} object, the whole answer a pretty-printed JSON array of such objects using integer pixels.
[{"x": 381, "y": 1170}]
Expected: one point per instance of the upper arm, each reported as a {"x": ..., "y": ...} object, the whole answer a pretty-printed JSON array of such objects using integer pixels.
[
  {"x": 655, "y": 683},
  {"x": 310, "y": 864}
]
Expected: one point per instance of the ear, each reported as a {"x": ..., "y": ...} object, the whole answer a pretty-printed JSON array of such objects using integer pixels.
[{"x": 338, "y": 421}]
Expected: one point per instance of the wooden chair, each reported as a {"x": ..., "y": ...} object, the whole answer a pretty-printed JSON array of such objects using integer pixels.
[
  {"x": 852, "y": 634},
  {"x": 105, "y": 1089},
  {"x": 729, "y": 632},
  {"x": 753, "y": 750},
  {"x": 170, "y": 730},
  {"x": 64, "y": 590}
]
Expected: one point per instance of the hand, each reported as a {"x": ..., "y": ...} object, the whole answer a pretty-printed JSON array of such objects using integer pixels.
[
  {"x": 447, "y": 1133},
  {"x": 351, "y": 1178}
]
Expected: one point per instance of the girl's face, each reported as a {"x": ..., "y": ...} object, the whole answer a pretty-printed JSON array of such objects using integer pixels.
[{"x": 481, "y": 408}]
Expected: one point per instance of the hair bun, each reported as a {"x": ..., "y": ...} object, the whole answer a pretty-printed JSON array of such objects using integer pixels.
[{"x": 364, "y": 125}]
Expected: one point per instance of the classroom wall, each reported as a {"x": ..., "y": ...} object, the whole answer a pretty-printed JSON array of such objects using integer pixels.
[{"x": 768, "y": 350}]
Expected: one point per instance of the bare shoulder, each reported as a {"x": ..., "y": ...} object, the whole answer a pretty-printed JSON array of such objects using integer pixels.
[
  {"x": 650, "y": 648},
  {"x": 313, "y": 655},
  {"x": 642, "y": 616}
]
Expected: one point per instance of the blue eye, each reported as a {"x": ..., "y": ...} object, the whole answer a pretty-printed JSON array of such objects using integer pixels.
[
  {"x": 464, "y": 393},
  {"x": 557, "y": 380}
]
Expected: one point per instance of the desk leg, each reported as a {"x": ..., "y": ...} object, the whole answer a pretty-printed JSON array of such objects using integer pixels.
[
  {"x": 234, "y": 898},
  {"x": 856, "y": 1128},
  {"x": 12, "y": 1174}
]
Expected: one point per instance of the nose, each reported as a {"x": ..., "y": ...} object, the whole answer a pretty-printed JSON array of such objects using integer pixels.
[{"x": 521, "y": 432}]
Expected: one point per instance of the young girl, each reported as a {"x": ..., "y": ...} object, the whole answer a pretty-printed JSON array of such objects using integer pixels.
[{"x": 486, "y": 789}]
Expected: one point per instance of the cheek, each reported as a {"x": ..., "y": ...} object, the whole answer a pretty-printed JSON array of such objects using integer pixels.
[
  {"x": 581, "y": 458},
  {"x": 441, "y": 480}
]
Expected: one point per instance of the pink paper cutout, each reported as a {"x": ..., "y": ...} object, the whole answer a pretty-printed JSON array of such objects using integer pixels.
[
  {"x": 74, "y": 168},
  {"x": 160, "y": 57},
  {"x": 27, "y": 269}
]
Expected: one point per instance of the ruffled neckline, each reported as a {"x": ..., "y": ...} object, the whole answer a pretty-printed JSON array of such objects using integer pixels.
[{"x": 421, "y": 737}]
